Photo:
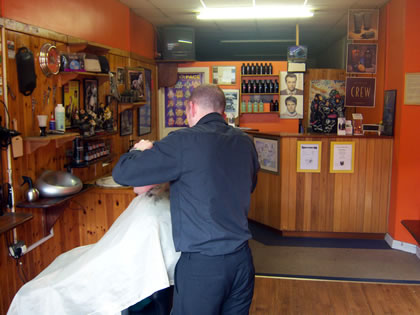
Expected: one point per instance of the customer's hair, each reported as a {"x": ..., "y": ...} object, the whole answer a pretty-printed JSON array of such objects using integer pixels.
[
  {"x": 291, "y": 99},
  {"x": 209, "y": 96}
]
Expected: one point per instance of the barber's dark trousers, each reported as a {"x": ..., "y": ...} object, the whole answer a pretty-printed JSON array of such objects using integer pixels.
[{"x": 213, "y": 285}]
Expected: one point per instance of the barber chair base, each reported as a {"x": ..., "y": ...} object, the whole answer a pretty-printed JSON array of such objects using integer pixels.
[{"x": 159, "y": 303}]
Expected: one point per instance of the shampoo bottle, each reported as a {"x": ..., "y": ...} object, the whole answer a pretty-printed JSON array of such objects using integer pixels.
[
  {"x": 60, "y": 123},
  {"x": 52, "y": 122}
]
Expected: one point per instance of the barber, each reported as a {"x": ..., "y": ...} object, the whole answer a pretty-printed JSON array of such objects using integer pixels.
[{"x": 212, "y": 169}]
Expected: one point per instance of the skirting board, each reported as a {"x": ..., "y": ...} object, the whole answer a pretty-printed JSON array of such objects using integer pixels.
[{"x": 405, "y": 247}]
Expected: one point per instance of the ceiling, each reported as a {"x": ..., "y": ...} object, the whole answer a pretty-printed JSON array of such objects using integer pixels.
[{"x": 328, "y": 25}]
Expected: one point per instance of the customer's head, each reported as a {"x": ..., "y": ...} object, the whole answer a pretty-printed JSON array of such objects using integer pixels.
[
  {"x": 291, "y": 80},
  {"x": 291, "y": 103},
  {"x": 205, "y": 99}
]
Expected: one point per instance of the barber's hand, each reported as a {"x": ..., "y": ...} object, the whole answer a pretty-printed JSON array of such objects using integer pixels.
[{"x": 143, "y": 145}]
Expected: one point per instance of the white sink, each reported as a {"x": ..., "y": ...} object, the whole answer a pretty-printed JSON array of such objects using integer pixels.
[{"x": 58, "y": 184}]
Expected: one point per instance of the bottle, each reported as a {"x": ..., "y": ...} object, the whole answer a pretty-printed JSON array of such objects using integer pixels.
[
  {"x": 52, "y": 122},
  {"x": 60, "y": 119},
  {"x": 249, "y": 90},
  {"x": 264, "y": 68},
  {"x": 257, "y": 68},
  {"x": 243, "y": 69},
  {"x": 272, "y": 109},
  {"x": 249, "y": 106},
  {"x": 270, "y": 69},
  {"x": 271, "y": 87},
  {"x": 247, "y": 69},
  {"x": 252, "y": 68},
  {"x": 265, "y": 89},
  {"x": 368, "y": 59},
  {"x": 244, "y": 86},
  {"x": 276, "y": 106},
  {"x": 243, "y": 107},
  {"x": 255, "y": 108},
  {"x": 261, "y": 106},
  {"x": 276, "y": 86},
  {"x": 254, "y": 87}
]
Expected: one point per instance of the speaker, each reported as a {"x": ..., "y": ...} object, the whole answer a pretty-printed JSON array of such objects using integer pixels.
[{"x": 26, "y": 71}]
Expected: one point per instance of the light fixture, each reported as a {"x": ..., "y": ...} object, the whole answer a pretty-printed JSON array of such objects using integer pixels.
[
  {"x": 256, "y": 12},
  {"x": 246, "y": 41},
  {"x": 184, "y": 41}
]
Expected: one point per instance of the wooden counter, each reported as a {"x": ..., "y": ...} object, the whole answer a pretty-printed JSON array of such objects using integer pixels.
[{"x": 326, "y": 202}]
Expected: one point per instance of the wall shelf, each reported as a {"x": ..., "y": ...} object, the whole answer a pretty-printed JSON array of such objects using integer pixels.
[
  {"x": 11, "y": 220},
  {"x": 52, "y": 207},
  {"x": 124, "y": 106},
  {"x": 34, "y": 143},
  {"x": 64, "y": 77}
]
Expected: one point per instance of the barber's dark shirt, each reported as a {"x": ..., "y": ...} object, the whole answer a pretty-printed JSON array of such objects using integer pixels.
[{"x": 212, "y": 169}]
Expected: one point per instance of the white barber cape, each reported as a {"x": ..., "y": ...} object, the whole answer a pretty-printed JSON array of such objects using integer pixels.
[{"x": 134, "y": 259}]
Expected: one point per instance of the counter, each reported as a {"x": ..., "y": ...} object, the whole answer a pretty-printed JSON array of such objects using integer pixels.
[{"x": 355, "y": 202}]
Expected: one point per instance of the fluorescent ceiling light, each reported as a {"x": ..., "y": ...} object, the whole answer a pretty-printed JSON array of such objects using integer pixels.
[
  {"x": 184, "y": 41},
  {"x": 242, "y": 41},
  {"x": 256, "y": 12}
]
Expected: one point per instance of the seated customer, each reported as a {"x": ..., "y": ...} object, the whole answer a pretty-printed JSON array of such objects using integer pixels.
[{"x": 134, "y": 259}]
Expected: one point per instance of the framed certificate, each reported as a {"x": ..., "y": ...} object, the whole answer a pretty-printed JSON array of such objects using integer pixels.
[
  {"x": 309, "y": 156},
  {"x": 342, "y": 157}
]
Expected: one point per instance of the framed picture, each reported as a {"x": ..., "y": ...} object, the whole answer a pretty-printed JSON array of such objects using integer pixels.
[
  {"x": 232, "y": 103},
  {"x": 342, "y": 157},
  {"x": 389, "y": 112},
  {"x": 309, "y": 156},
  {"x": 268, "y": 154},
  {"x": 90, "y": 92},
  {"x": 224, "y": 75},
  {"x": 110, "y": 114},
  {"x": 360, "y": 92},
  {"x": 120, "y": 76},
  {"x": 71, "y": 101},
  {"x": 411, "y": 89},
  {"x": 126, "y": 122},
  {"x": 135, "y": 83},
  {"x": 363, "y": 24},
  {"x": 361, "y": 58},
  {"x": 145, "y": 112}
]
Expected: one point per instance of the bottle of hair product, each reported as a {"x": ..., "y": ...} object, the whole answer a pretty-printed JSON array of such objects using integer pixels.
[
  {"x": 60, "y": 123},
  {"x": 52, "y": 122}
]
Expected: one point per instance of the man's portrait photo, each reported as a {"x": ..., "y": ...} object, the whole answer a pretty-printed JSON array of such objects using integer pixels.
[{"x": 291, "y": 83}]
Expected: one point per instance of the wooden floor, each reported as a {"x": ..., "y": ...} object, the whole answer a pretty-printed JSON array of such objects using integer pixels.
[{"x": 308, "y": 297}]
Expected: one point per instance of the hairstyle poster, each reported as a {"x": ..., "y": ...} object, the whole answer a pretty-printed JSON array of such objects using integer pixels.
[{"x": 176, "y": 98}]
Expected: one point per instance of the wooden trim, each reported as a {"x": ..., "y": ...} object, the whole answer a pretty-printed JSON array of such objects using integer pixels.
[{"x": 370, "y": 236}]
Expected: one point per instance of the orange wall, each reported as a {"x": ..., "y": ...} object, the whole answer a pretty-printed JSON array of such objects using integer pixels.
[
  {"x": 403, "y": 51},
  {"x": 106, "y": 22},
  {"x": 262, "y": 122}
]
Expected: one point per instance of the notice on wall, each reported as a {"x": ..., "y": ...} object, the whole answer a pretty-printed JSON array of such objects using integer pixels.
[
  {"x": 309, "y": 156},
  {"x": 412, "y": 89},
  {"x": 342, "y": 157}
]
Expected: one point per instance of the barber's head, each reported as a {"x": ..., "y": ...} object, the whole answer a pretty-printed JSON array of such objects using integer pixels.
[{"x": 205, "y": 99}]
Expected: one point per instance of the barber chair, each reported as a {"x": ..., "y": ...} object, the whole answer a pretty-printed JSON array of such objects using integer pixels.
[{"x": 159, "y": 303}]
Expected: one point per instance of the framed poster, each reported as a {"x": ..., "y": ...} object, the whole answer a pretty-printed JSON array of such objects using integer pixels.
[
  {"x": 361, "y": 58},
  {"x": 144, "y": 112},
  {"x": 120, "y": 76},
  {"x": 342, "y": 157},
  {"x": 363, "y": 24},
  {"x": 412, "y": 89},
  {"x": 388, "y": 117},
  {"x": 309, "y": 156},
  {"x": 135, "y": 83},
  {"x": 90, "y": 92},
  {"x": 232, "y": 103},
  {"x": 126, "y": 122},
  {"x": 360, "y": 92},
  {"x": 71, "y": 101},
  {"x": 268, "y": 154},
  {"x": 224, "y": 75}
]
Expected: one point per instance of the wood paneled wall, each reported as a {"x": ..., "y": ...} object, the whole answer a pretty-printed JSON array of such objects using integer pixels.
[
  {"x": 76, "y": 226},
  {"x": 327, "y": 202}
]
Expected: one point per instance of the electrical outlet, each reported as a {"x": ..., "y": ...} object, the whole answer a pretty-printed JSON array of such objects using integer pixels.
[{"x": 18, "y": 249}]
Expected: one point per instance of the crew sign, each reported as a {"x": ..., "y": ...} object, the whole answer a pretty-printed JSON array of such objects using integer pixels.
[{"x": 360, "y": 92}]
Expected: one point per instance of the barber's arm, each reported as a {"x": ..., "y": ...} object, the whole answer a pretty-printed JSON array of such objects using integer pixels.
[{"x": 157, "y": 163}]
